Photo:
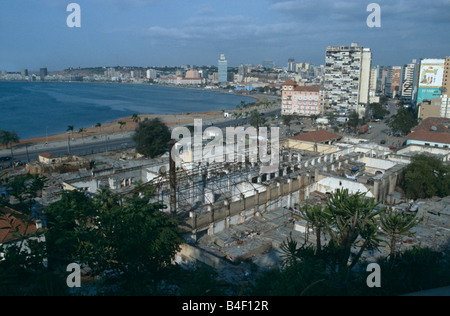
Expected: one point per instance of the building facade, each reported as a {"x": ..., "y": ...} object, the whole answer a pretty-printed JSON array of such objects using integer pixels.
[
  {"x": 347, "y": 77},
  {"x": 300, "y": 100},
  {"x": 223, "y": 69}
]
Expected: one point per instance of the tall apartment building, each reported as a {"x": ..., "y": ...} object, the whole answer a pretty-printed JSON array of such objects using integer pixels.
[
  {"x": 396, "y": 80},
  {"x": 347, "y": 77},
  {"x": 223, "y": 69},
  {"x": 300, "y": 100},
  {"x": 409, "y": 84},
  {"x": 291, "y": 65}
]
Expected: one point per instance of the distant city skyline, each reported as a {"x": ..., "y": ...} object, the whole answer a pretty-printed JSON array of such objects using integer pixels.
[{"x": 146, "y": 33}]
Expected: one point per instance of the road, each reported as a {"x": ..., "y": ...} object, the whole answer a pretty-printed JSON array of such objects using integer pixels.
[{"x": 380, "y": 130}]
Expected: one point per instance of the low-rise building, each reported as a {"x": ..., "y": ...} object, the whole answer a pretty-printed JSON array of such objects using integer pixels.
[{"x": 18, "y": 229}]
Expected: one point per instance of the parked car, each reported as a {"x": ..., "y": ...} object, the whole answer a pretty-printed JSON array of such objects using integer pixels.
[
  {"x": 382, "y": 142},
  {"x": 6, "y": 158}
]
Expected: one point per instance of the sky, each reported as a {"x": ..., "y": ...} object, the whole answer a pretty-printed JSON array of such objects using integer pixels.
[{"x": 34, "y": 33}]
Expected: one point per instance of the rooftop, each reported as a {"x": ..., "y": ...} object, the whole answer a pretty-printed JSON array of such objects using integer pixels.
[
  {"x": 430, "y": 136},
  {"x": 12, "y": 223},
  {"x": 318, "y": 136}
]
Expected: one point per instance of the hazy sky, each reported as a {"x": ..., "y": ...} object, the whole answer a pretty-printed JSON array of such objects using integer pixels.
[{"x": 34, "y": 33}]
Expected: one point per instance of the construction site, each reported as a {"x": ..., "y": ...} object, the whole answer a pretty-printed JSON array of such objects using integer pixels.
[{"x": 235, "y": 215}]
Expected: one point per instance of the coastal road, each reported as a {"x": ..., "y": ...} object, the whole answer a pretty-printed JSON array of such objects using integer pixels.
[{"x": 93, "y": 145}]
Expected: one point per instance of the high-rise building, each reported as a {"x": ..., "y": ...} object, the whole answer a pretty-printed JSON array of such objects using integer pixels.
[
  {"x": 43, "y": 73},
  {"x": 431, "y": 79},
  {"x": 24, "y": 72},
  {"x": 396, "y": 80},
  {"x": 292, "y": 65},
  {"x": 347, "y": 77},
  {"x": 408, "y": 84},
  {"x": 223, "y": 69}
]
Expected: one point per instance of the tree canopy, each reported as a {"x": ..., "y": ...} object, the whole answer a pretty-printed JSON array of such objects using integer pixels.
[
  {"x": 426, "y": 177},
  {"x": 403, "y": 121},
  {"x": 151, "y": 137}
]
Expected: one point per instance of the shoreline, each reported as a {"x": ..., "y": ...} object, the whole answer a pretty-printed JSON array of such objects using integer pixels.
[{"x": 113, "y": 127}]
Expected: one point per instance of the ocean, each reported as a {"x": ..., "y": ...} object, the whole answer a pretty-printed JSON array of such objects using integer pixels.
[{"x": 37, "y": 109}]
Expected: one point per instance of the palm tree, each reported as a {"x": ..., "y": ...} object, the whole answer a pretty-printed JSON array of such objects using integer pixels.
[
  {"x": 395, "y": 225},
  {"x": 70, "y": 129},
  {"x": 122, "y": 124},
  {"x": 136, "y": 119},
  {"x": 9, "y": 138},
  {"x": 81, "y": 131}
]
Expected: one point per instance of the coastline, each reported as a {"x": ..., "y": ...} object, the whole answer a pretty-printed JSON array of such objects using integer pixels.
[{"x": 113, "y": 127}]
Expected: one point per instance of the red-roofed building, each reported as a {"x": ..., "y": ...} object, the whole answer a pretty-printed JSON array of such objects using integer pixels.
[
  {"x": 318, "y": 137},
  {"x": 300, "y": 100},
  {"x": 429, "y": 138},
  {"x": 433, "y": 132},
  {"x": 14, "y": 224}
]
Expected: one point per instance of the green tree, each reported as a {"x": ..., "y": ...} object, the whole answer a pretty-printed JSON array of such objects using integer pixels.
[
  {"x": 135, "y": 239},
  {"x": 121, "y": 124},
  {"x": 378, "y": 111},
  {"x": 353, "y": 121},
  {"x": 81, "y": 131},
  {"x": 256, "y": 120},
  {"x": 131, "y": 242},
  {"x": 9, "y": 138},
  {"x": 68, "y": 221},
  {"x": 287, "y": 119},
  {"x": 25, "y": 189},
  {"x": 315, "y": 217},
  {"x": 426, "y": 177},
  {"x": 349, "y": 217},
  {"x": 403, "y": 121},
  {"x": 70, "y": 129},
  {"x": 135, "y": 117},
  {"x": 151, "y": 137},
  {"x": 396, "y": 225}
]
